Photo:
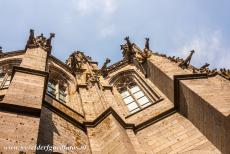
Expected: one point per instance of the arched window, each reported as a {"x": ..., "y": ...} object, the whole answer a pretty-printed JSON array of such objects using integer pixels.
[
  {"x": 135, "y": 93},
  {"x": 57, "y": 86},
  {"x": 132, "y": 95},
  {"x": 6, "y": 68}
]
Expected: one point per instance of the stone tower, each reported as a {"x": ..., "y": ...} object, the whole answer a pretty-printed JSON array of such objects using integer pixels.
[{"x": 145, "y": 103}]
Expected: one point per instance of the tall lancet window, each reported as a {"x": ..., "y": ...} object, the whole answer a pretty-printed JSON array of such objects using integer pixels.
[{"x": 132, "y": 95}]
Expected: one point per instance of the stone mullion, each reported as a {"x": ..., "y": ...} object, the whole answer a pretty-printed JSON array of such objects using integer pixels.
[
  {"x": 133, "y": 97},
  {"x": 57, "y": 90}
]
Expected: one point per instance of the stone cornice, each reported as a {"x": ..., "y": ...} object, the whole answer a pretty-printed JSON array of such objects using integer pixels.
[
  {"x": 109, "y": 111},
  {"x": 22, "y": 110},
  {"x": 66, "y": 67},
  {"x": 104, "y": 115},
  {"x": 225, "y": 73},
  {"x": 12, "y": 53},
  {"x": 117, "y": 65},
  {"x": 177, "y": 78}
]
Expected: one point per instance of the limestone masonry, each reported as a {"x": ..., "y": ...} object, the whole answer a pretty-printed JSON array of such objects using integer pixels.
[{"x": 143, "y": 104}]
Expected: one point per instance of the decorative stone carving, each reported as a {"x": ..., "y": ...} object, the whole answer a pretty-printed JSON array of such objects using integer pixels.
[
  {"x": 186, "y": 62},
  {"x": 128, "y": 52},
  {"x": 39, "y": 41},
  {"x": 147, "y": 52},
  {"x": 76, "y": 61},
  {"x": 103, "y": 70},
  {"x": 91, "y": 79}
]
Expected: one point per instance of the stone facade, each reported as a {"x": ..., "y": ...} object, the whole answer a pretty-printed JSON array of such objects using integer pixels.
[{"x": 145, "y": 103}]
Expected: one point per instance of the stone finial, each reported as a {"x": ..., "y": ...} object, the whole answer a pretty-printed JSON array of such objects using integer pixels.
[
  {"x": 103, "y": 70},
  {"x": 186, "y": 62},
  {"x": 39, "y": 41},
  {"x": 128, "y": 52},
  {"x": 31, "y": 40}
]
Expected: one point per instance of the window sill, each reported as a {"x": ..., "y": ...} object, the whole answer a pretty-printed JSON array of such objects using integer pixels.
[
  {"x": 4, "y": 88},
  {"x": 144, "y": 108},
  {"x": 53, "y": 97},
  {"x": 64, "y": 104}
]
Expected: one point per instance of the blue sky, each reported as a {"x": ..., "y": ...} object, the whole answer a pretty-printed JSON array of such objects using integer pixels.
[{"x": 98, "y": 27}]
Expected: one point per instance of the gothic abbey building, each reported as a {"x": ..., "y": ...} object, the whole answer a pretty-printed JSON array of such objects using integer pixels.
[{"x": 143, "y": 104}]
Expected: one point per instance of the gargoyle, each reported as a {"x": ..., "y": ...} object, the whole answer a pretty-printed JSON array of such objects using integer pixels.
[
  {"x": 104, "y": 67},
  {"x": 48, "y": 42},
  {"x": 186, "y": 62},
  {"x": 146, "y": 54},
  {"x": 204, "y": 66}
]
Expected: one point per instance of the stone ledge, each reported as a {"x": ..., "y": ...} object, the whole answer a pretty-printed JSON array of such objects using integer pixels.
[{"x": 22, "y": 110}]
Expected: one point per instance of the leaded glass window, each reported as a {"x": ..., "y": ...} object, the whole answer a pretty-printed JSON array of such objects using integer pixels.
[{"x": 132, "y": 95}]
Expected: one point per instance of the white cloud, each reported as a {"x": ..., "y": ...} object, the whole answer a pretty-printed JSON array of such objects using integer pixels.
[
  {"x": 208, "y": 48},
  {"x": 107, "y": 31},
  {"x": 85, "y": 7}
]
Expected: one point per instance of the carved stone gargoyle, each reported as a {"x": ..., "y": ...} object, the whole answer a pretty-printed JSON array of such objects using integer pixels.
[
  {"x": 48, "y": 41},
  {"x": 185, "y": 63},
  {"x": 147, "y": 53},
  {"x": 103, "y": 70},
  {"x": 204, "y": 66}
]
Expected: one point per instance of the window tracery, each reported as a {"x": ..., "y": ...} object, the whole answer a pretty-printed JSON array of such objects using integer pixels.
[
  {"x": 132, "y": 95},
  {"x": 134, "y": 91}
]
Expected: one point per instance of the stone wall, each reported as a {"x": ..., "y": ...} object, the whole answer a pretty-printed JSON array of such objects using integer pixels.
[
  {"x": 16, "y": 131},
  {"x": 56, "y": 131},
  {"x": 109, "y": 137},
  {"x": 25, "y": 90},
  {"x": 174, "y": 134},
  {"x": 206, "y": 103}
]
